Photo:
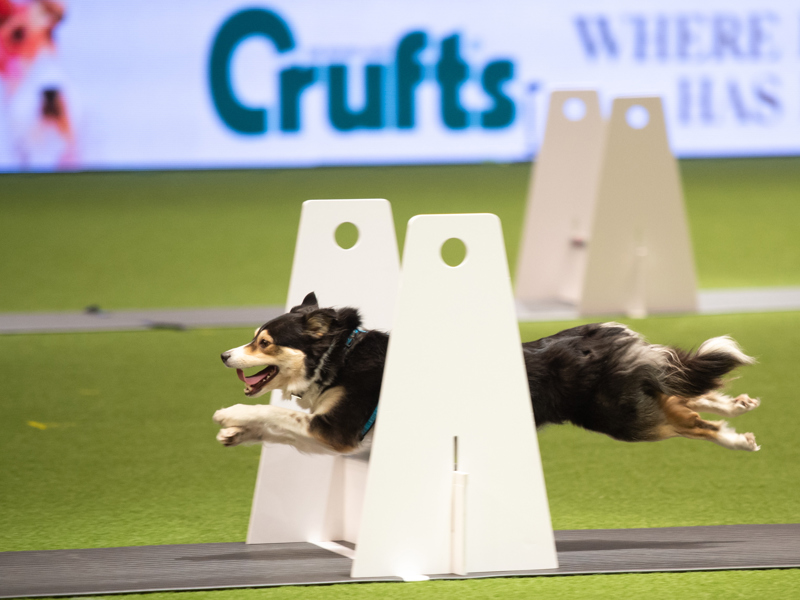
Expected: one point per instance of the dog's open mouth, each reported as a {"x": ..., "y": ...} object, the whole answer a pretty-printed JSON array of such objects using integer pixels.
[{"x": 255, "y": 382}]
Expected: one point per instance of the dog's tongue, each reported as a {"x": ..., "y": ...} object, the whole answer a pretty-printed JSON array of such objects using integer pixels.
[{"x": 250, "y": 380}]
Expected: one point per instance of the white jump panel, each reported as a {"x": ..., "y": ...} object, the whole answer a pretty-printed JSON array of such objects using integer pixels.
[
  {"x": 301, "y": 498},
  {"x": 454, "y": 369},
  {"x": 640, "y": 256},
  {"x": 558, "y": 218}
]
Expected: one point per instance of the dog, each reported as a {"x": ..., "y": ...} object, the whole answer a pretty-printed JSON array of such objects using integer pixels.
[
  {"x": 602, "y": 377},
  {"x": 37, "y": 123}
]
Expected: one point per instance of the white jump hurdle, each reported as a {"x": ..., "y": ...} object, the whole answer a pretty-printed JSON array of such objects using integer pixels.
[
  {"x": 454, "y": 486},
  {"x": 640, "y": 255},
  {"x": 561, "y": 200},
  {"x": 454, "y": 337},
  {"x": 605, "y": 227},
  {"x": 300, "y": 498}
]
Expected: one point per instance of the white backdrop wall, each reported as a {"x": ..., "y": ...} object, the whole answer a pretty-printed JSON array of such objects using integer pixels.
[{"x": 228, "y": 83}]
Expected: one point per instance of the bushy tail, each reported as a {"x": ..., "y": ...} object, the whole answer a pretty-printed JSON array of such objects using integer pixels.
[{"x": 694, "y": 374}]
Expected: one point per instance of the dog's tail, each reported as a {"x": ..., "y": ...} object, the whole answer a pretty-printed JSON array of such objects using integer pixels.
[{"x": 693, "y": 374}]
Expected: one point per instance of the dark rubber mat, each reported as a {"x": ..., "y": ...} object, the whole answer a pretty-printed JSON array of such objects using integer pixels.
[{"x": 216, "y": 566}]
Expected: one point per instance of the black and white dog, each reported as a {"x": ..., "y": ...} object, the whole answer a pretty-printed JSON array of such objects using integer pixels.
[{"x": 602, "y": 377}]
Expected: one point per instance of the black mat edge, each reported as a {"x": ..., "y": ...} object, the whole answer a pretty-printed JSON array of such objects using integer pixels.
[
  {"x": 559, "y": 572},
  {"x": 498, "y": 575}
]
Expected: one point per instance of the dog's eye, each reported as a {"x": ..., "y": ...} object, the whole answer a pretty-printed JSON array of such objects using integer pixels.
[{"x": 264, "y": 343}]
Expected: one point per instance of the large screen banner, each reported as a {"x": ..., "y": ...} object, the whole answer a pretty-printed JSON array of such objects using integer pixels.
[{"x": 146, "y": 84}]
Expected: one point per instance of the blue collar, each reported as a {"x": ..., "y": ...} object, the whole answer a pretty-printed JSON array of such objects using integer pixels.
[
  {"x": 368, "y": 426},
  {"x": 353, "y": 335},
  {"x": 371, "y": 422}
]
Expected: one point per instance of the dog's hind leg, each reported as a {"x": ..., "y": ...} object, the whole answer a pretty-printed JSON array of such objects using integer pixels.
[
  {"x": 721, "y": 404},
  {"x": 682, "y": 421}
]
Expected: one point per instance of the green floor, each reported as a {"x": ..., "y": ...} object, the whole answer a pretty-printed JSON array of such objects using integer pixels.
[
  {"x": 226, "y": 238},
  {"x": 106, "y": 439},
  {"x": 731, "y": 585}
]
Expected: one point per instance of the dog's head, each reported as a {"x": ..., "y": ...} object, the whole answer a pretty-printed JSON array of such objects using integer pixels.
[
  {"x": 288, "y": 348},
  {"x": 26, "y": 29}
]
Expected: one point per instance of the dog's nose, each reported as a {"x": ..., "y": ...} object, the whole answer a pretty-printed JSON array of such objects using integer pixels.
[{"x": 225, "y": 356}]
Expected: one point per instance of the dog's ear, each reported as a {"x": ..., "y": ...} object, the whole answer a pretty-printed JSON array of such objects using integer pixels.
[
  {"x": 309, "y": 304},
  {"x": 317, "y": 323}
]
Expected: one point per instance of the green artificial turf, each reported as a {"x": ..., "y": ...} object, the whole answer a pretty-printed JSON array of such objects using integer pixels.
[
  {"x": 226, "y": 238},
  {"x": 127, "y": 455},
  {"x": 745, "y": 221},
  {"x": 107, "y": 440},
  {"x": 211, "y": 238}
]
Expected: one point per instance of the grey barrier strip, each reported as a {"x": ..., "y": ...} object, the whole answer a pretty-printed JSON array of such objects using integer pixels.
[
  {"x": 129, "y": 320},
  {"x": 711, "y": 302}
]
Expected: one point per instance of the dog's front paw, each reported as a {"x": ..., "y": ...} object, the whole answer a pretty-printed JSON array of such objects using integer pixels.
[
  {"x": 232, "y": 436},
  {"x": 241, "y": 424},
  {"x": 235, "y": 416}
]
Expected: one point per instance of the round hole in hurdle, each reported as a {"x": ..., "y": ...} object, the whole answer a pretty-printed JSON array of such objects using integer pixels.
[
  {"x": 346, "y": 235},
  {"x": 453, "y": 252},
  {"x": 637, "y": 116},
  {"x": 574, "y": 109}
]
